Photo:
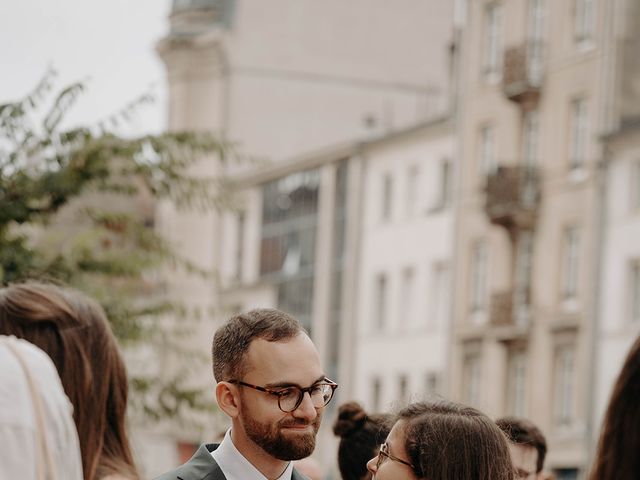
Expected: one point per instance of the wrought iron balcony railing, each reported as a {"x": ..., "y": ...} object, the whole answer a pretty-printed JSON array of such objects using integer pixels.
[
  {"x": 513, "y": 197},
  {"x": 523, "y": 72}
]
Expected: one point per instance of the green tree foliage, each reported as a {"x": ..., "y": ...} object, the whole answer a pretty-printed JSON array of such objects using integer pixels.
[{"x": 76, "y": 207}]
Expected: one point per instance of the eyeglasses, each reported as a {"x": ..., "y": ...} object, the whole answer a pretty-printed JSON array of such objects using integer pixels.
[
  {"x": 290, "y": 398},
  {"x": 384, "y": 454}
]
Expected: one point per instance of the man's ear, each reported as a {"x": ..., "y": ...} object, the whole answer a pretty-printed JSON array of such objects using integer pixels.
[{"x": 228, "y": 398}]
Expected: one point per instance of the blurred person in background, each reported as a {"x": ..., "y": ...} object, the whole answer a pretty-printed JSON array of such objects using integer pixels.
[
  {"x": 443, "y": 441},
  {"x": 617, "y": 455},
  {"x": 74, "y": 331},
  {"x": 38, "y": 437},
  {"x": 360, "y": 437},
  {"x": 527, "y": 445}
]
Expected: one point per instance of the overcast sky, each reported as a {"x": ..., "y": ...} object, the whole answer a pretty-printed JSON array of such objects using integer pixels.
[{"x": 109, "y": 42}]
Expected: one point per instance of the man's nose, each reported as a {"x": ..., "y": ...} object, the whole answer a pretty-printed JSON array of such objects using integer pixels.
[{"x": 306, "y": 409}]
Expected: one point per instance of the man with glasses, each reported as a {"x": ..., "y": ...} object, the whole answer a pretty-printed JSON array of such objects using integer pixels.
[
  {"x": 272, "y": 387},
  {"x": 527, "y": 446}
]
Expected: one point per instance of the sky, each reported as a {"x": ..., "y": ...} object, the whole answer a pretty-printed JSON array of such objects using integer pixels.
[{"x": 108, "y": 43}]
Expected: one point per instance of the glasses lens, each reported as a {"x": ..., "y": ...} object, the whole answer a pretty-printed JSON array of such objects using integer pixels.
[
  {"x": 288, "y": 399},
  {"x": 325, "y": 394}
]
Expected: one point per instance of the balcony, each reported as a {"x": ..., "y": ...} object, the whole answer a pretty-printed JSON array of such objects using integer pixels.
[
  {"x": 505, "y": 322},
  {"x": 501, "y": 309},
  {"x": 512, "y": 197},
  {"x": 522, "y": 75}
]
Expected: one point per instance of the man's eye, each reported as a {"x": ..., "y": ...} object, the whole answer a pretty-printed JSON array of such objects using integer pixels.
[
  {"x": 317, "y": 390},
  {"x": 287, "y": 393}
]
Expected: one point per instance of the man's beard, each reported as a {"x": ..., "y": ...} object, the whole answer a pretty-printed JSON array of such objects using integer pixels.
[{"x": 272, "y": 440}]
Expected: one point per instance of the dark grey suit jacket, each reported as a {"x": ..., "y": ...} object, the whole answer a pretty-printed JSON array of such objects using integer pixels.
[{"x": 202, "y": 466}]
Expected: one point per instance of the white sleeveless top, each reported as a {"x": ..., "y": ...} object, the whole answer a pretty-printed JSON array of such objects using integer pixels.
[{"x": 38, "y": 438}]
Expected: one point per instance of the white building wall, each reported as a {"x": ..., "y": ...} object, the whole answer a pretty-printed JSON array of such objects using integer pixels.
[
  {"x": 412, "y": 342},
  {"x": 305, "y": 74}
]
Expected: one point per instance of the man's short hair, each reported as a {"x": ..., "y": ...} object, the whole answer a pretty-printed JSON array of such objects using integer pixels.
[
  {"x": 232, "y": 340},
  {"x": 521, "y": 431}
]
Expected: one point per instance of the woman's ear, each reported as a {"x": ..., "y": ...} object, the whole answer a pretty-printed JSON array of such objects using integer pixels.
[{"x": 228, "y": 399}]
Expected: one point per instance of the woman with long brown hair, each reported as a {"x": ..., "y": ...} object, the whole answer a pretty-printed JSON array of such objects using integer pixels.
[
  {"x": 73, "y": 330},
  {"x": 617, "y": 455},
  {"x": 443, "y": 441}
]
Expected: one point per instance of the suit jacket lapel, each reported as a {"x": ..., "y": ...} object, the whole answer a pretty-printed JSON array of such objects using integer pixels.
[
  {"x": 201, "y": 466},
  {"x": 295, "y": 475}
]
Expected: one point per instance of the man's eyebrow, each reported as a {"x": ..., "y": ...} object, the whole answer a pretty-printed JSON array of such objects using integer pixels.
[{"x": 292, "y": 384}]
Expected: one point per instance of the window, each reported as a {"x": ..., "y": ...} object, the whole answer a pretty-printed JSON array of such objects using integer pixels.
[
  {"x": 535, "y": 40},
  {"x": 584, "y": 19},
  {"x": 403, "y": 389},
  {"x": 387, "y": 197},
  {"x": 472, "y": 377},
  {"x": 406, "y": 305},
  {"x": 479, "y": 270},
  {"x": 492, "y": 55},
  {"x": 439, "y": 296},
  {"x": 432, "y": 383},
  {"x": 460, "y": 12},
  {"x": 570, "y": 263},
  {"x": 445, "y": 184},
  {"x": 524, "y": 260},
  {"x": 376, "y": 393},
  {"x": 288, "y": 240},
  {"x": 516, "y": 384},
  {"x": 338, "y": 266},
  {"x": 486, "y": 154},
  {"x": 530, "y": 139},
  {"x": 381, "y": 301},
  {"x": 240, "y": 229},
  {"x": 564, "y": 385},
  {"x": 578, "y": 135},
  {"x": 413, "y": 175},
  {"x": 635, "y": 185},
  {"x": 634, "y": 292}
]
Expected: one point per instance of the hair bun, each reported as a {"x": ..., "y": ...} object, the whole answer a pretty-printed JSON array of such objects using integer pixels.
[{"x": 351, "y": 417}]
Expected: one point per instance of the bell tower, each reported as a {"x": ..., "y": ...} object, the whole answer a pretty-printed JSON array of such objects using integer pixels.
[{"x": 194, "y": 55}]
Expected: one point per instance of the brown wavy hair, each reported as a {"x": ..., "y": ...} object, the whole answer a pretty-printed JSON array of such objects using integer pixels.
[
  {"x": 521, "y": 431},
  {"x": 74, "y": 331},
  {"x": 360, "y": 437},
  {"x": 449, "y": 441},
  {"x": 617, "y": 454}
]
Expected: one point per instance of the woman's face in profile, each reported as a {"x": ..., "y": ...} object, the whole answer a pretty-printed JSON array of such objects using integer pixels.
[{"x": 392, "y": 463}]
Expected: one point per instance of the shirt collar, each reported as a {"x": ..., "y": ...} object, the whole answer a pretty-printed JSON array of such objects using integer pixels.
[{"x": 236, "y": 467}]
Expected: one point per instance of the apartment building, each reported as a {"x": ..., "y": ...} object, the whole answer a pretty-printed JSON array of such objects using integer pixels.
[{"x": 539, "y": 87}]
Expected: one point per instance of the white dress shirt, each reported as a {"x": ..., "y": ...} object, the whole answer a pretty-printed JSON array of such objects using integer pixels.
[{"x": 236, "y": 467}]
